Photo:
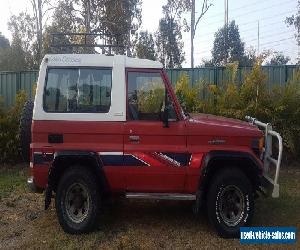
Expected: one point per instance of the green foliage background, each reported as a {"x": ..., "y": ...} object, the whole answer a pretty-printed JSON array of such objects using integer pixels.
[
  {"x": 150, "y": 100},
  {"x": 280, "y": 105},
  {"x": 9, "y": 130}
]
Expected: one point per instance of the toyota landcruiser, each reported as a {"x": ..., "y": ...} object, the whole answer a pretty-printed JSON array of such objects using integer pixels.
[{"x": 106, "y": 126}]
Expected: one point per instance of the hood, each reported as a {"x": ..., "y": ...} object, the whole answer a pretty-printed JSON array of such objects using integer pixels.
[
  {"x": 223, "y": 121},
  {"x": 224, "y": 126}
]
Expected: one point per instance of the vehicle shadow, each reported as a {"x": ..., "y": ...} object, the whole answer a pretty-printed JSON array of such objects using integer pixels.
[{"x": 153, "y": 213}]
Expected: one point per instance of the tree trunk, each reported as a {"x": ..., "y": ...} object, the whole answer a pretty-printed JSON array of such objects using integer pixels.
[{"x": 192, "y": 33}]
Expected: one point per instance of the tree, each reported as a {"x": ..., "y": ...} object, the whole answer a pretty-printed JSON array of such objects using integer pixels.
[
  {"x": 18, "y": 58},
  {"x": 4, "y": 52},
  {"x": 234, "y": 50},
  {"x": 169, "y": 43},
  {"x": 119, "y": 19},
  {"x": 145, "y": 47},
  {"x": 114, "y": 18},
  {"x": 206, "y": 63},
  {"x": 40, "y": 10},
  {"x": 4, "y": 42},
  {"x": 278, "y": 59},
  {"x": 13, "y": 58},
  {"x": 64, "y": 20},
  {"x": 175, "y": 9},
  {"x": 169, "y": 38},
  {"x": 38, "y": 16},
  {"x": 27, "y": 33},
  {"x": 294, "y": 20},
  {"x": 23, "y": 30},
  {"x": 251, "y": 56}
]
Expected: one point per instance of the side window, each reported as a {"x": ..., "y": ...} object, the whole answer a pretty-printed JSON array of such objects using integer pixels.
[
  {"x": 146, "y": 97},
  {"x": 78, "y": 90}
]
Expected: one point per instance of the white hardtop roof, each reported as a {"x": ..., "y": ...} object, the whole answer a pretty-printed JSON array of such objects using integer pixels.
[{"x": 98, "y": 60}]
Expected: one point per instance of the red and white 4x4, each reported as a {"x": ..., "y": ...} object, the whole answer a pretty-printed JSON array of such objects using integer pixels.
[{"x": 108, "y": 125}]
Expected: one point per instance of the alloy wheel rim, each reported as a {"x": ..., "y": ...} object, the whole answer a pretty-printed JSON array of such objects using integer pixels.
[
  {"x": 77, "y": 202},
  {"x": 231, "y": 206}
]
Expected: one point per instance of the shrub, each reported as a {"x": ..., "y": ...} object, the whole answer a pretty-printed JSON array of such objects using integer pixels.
[
  {"x": 150, "y": 100},
  {"x": 285, "y": 114},
  {"x": 9, "y": 130},
  {"x": 189, "y": 96},
  {"x": 280, "y": 105}
]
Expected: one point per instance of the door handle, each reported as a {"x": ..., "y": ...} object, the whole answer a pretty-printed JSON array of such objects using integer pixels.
[{"x": 134, "y": 138}]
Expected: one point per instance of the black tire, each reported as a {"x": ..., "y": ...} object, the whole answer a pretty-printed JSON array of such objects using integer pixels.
[
  {"x": 230, "y": 202},
  {"x": 78, "y": 175},
  {"x": 25, "y": 130}
]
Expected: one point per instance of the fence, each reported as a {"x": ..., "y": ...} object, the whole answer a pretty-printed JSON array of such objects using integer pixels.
[
  {"x": 12, "y": 82},
  {"x": 277, "y": 75}
]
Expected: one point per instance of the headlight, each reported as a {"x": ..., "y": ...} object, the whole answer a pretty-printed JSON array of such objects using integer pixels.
[{"x": 261, "y": 144}]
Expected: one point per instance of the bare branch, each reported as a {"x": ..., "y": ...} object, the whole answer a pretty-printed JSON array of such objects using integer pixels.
[
  {"x": 47, "y": 10},
  {"x": 33, "y": 3},
  {"x": 205, "y": 7}
]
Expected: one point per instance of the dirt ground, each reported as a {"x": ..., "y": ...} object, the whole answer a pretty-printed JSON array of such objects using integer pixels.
[{"x": 133, "y": 224}]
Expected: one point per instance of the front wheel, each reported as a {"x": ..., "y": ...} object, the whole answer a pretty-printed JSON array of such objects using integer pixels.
[
  {"x": 77, "y": 200},
  {"x": 230, "y": 203}
]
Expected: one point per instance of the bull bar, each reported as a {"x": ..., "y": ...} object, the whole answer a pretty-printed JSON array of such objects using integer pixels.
[{"x": 271, "y": 184}]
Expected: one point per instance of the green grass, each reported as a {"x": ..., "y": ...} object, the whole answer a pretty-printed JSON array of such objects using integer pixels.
[
  {"x": 133, "y": 224},
  {"x": 12, "y": 179},
  {"x": 282, "y": 211}
]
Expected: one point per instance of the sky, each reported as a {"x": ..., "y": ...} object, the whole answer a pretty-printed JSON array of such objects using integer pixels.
[{"x": 270, "y": 14}]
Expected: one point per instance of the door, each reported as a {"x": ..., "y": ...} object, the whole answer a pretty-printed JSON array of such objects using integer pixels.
[{"x": 155, "y": 156}]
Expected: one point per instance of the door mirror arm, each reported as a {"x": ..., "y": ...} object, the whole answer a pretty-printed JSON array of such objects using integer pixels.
[
  {"x": 166, "y": 111},
  {"x": 166, "y": 117}
]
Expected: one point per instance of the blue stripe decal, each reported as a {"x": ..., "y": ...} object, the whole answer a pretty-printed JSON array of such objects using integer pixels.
[
  {"x": 112, "y": 160},
  {"x": 121, "y": 160}
]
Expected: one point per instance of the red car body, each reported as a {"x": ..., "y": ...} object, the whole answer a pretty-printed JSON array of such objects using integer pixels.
[{"x": 105, "y": 126}]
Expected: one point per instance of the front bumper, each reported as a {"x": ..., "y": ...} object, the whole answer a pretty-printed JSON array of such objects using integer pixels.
[{"x": 32, "y": 187}]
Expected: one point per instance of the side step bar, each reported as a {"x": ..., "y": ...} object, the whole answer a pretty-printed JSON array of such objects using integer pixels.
[{"x": 161, "y": 196}]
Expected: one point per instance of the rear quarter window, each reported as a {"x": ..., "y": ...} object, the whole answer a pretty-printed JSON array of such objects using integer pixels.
[{"x": 78, "y": 90}]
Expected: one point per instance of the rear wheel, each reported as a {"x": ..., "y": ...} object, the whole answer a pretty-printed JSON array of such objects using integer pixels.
[
  {"x": 230, "y": 203},
  {"x": 77, "y": 201}
]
